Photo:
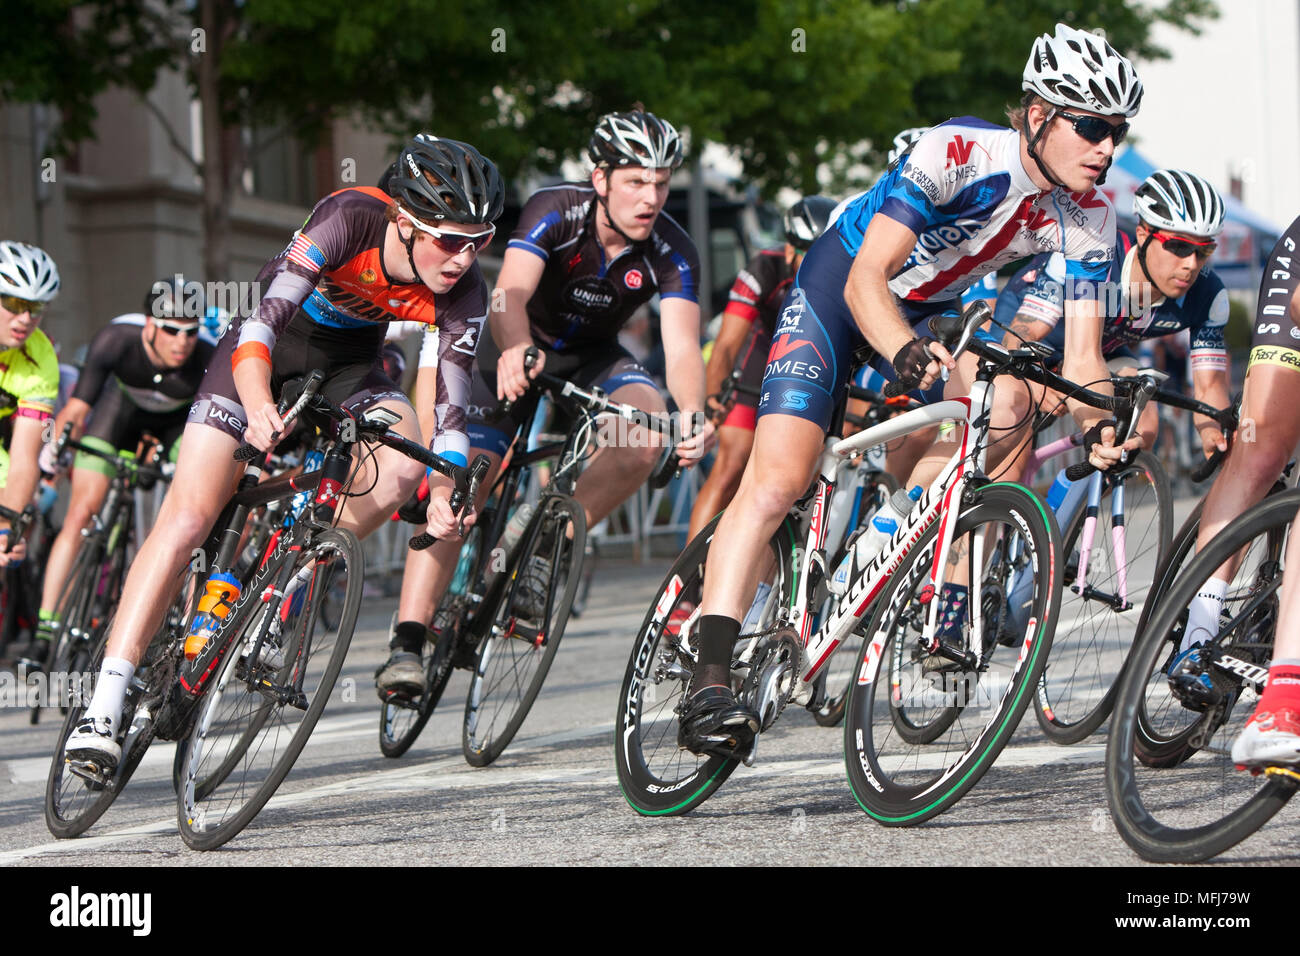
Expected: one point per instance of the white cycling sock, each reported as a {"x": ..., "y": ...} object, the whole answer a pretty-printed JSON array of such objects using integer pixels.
[
  {"x": 110, "y": 690},
  {"x": 1203, "y": 613}
]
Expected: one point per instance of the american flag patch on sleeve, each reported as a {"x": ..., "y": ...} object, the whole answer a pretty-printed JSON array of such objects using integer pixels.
[{"x": 305, "y": 253}]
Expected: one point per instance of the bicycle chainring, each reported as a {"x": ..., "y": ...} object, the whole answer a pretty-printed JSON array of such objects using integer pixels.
[{"x": 773, "y": 676}]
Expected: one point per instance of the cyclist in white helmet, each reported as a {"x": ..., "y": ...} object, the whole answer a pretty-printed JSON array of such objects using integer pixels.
[
  {"x": 29, "y": 374},
  {"x": 1165, "y": 286},
  {"x": 890, "y": 262}
]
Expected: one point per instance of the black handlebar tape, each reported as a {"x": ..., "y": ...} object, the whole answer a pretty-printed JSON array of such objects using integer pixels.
[
  {"x": 1207, "y": 467},
  {"x": 421, "y": 541},
  {"x": 894, "y": 389},
  {"x": 246, "y": 452},
  {"x": 1080, "y": 470}
]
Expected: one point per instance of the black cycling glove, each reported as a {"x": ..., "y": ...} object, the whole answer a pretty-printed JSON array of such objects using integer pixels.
[
  {"x": 910, "y": 363},
  {"x": 1093, "y": 435}
]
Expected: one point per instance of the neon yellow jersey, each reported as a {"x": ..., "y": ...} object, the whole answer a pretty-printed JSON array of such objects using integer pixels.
[{"x": 29, "y": 379}]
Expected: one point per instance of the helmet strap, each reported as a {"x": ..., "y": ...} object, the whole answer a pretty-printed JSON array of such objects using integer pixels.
[
  {"x": 410, "y": 254},
  {"x": 1032, "y": 147},
  {"x": 1142, "y": 261},
  {"x": 603, "y": 203}
]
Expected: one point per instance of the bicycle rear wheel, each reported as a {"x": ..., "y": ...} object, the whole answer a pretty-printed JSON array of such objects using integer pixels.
[
  {"x": 523, "y": 631},
  {"x": 1194, "y": 804},
  {"x": 1099, "y": 621},
  {"x": 896, "y": 779},
  {"x": 250, "y": 726}
]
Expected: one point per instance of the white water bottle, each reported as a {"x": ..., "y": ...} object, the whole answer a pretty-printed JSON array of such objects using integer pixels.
[
  {"x": 515, "y": 527},
  {"x": 875, "y": 538}
]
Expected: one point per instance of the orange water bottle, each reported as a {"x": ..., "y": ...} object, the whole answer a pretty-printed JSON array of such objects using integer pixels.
[{"x": 221, "y": 591}]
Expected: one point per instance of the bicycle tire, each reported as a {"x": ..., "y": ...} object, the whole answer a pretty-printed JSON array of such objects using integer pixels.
[
  {"x": 916, "y": 785},
  {"x": 836, "y": 676},
  {"x": 656, "y": 777},
  {"x": 71, "y": 613},
  {"x": 1191, "y": 809},
  {"x": 400, "y": 725},
  {"x": 491, "y": 722},
  {"x": 1092, "y": 639},
  {"x": 72, "y": 805},
  {"x": 242, "y": 778}
]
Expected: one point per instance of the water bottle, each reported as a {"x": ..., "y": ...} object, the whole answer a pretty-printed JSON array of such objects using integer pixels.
[
  {"x": 310, "y": 463},
  {"x": 220, "y": 593},
  {"x": 1065, "y": 497},
  {"x": 754, "y": 617},
  {"x": 515, "y": 527},
  {"x": 867, "y": 543}
]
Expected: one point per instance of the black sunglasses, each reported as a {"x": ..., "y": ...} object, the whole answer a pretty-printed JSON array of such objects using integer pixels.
[
  {"x": 1095, "y": 128},
  {"x": 171, "y": 328}
]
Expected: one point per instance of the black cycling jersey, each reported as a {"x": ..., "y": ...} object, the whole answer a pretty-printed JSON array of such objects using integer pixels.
[
  {"x": 117, "y": 354},
  {"x": 1275, "y": 339},
  {"x": 582, "y": 299}
]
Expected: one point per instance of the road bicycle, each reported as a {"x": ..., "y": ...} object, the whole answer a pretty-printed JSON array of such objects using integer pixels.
[
  {"x": 244, "y": 707},
  {"x": 505, "y": 612},
  {"x": 926, "y": 716},
  {"x": 1172, "y": 789},
  {"x": 1116, "y": 537},
  {"x": 94, "y": 584}
]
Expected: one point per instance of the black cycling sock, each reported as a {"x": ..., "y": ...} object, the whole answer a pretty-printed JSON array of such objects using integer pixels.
[
  {"x": 407, "y": 636},
  {"x": 717, "y": 638}
]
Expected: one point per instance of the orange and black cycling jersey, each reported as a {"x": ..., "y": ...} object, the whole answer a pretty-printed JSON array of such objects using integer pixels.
[{"x": 333, "y": 271}]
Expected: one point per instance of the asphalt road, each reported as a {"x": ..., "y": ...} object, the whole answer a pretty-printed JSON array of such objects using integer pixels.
[{"x": 553, "y": 797}]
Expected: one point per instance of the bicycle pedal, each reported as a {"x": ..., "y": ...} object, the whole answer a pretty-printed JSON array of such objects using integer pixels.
[{"x": 95, "y": 776}]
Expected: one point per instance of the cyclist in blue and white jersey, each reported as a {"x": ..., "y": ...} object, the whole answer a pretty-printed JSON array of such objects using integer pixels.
[
  {"x": 970, "y": 198},
  {"x": 1161, "y": 284}
]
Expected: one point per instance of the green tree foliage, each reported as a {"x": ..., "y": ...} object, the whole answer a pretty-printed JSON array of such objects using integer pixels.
[{"x": 790, "y": 84}]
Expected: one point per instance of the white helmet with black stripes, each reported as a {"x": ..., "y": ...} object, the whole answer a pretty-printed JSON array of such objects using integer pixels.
[
  {"x": 1079, "y": 70},
  {"x": 27, "y": 272},
  {"x": 1180, "y": 202}
]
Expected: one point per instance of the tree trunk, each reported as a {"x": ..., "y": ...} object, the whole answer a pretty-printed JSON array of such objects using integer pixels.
[{"x": 222, "y": 166}]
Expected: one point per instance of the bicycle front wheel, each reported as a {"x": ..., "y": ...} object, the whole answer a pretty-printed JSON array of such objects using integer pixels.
[
  {"x": 898, "y": 779},
  {"x": 523, "y": 631},
  {"x": 1194, "y": 804},
  {"x": 1102, "y": 601},
  {"x": 257, "y": 713}
]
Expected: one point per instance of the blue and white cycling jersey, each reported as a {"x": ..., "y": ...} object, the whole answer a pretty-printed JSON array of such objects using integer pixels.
[
  {"x": 965, "y": 193},
  {"x": 1202, "y": 310}
]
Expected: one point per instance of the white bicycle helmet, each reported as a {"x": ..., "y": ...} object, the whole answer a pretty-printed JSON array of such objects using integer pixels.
[
  {"x": 904, "y": 140},
  {"x": 27, "y": 272},
  {"x": 1180, "y": 202},
  {"x": 635, "y": 138},
  {"x": 1079, "y": 70}
]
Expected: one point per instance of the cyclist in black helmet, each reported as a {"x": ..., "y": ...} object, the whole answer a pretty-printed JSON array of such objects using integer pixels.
[
  {"x": 363, "y": 258},
  {"x": 583, "y": 258}
]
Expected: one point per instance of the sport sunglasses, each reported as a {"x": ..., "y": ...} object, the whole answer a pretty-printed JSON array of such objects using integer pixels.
[
  {"x": 1095, "y": 128},
  {"x": 16, "y": 305},
  {"x": 1181, "y": 248},
  {"x": 454, "y": 243},
  {"x": 171, "y": 328}
]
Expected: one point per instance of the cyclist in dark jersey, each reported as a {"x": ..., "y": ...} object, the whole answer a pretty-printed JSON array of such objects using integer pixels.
[
  {"x": 140, "y": 375},
  {"x": 363, "y": 258},
  {"x": 1267, "y": 441},
  {"x": 1156, "y": 293},
  {"x": 970, "y": 198},
  {"x": 743, "y": 343},
  {"x": 1272, "y": 736},
  {"x": 583, "y": 258}
]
